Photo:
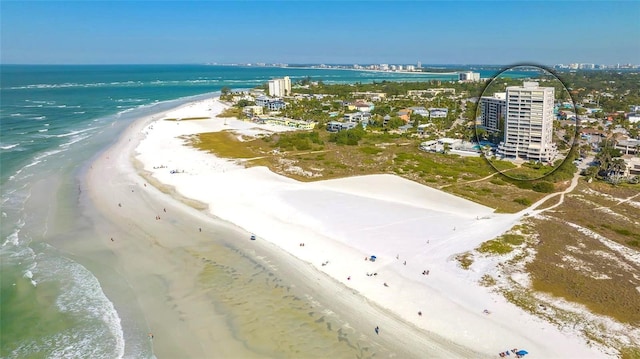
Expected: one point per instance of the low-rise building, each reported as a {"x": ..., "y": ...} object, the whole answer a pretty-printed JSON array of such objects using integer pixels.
[
  {"x": 422, "y": 129},
  {"x": 373, "y": 96},
  {"x": 298, "y": 124},
  {"x": 262, "y": 100},
  {"x": 276, "y": 105},
  {"x": 438, "y": 112},
  {"x": 404, "y": 115},
  {"x": 334, "y": 126},
  {"x": 628, "y": 146},
  {"x": 253, "y": 110},
  {"x": 633, "y": 165},
  {"x": 419, "y": 110},
  {"x": 431, "y": 92}
]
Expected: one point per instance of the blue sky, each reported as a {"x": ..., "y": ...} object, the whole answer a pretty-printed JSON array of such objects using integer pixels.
[{"x": 477, "y": 32}]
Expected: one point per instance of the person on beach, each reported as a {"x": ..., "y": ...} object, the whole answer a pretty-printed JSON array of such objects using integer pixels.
[
  {"x": 377, "y": 330},
  {"x": 200, "y": 229},
  {"x": 111, "y": 239},
  {"x": 165, "y": 210}
]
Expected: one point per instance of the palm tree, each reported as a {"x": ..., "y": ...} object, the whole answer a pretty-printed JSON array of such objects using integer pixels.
[{"x": 616, "y": 169}]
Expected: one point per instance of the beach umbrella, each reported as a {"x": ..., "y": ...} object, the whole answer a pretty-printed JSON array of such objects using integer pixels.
[
  {"x": 522, "y": 352},
  {"x": 373, "y": 258}
]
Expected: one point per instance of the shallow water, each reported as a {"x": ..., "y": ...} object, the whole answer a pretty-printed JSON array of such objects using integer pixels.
[{"x": 272, "y": 316}]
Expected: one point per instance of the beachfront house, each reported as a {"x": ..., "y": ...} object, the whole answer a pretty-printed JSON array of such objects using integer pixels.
[
  {"x": 334, "y": 126},
  {"x": 348, "y": 126},
  {"x": 262, "y": 100},
  {"x": 276, "y": 105}
]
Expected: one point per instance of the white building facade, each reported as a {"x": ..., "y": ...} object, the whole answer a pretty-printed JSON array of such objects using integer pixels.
[
  {"x": 528, "y": 127},
  {"x": 280, "y": 87},
  {"x": 469, "y": 76}
]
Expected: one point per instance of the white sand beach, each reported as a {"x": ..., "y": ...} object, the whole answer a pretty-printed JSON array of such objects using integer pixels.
[{"x": 410, "y": 228}]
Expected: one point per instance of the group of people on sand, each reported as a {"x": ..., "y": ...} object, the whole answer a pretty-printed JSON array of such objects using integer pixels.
[{"x": 508, "y": 353}]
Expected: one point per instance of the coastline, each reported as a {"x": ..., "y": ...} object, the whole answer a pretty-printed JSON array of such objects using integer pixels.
[{"x": 280, "y": 211}]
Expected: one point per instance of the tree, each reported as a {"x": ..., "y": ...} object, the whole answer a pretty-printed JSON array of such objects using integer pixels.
[{"x": 225, "y": 90}]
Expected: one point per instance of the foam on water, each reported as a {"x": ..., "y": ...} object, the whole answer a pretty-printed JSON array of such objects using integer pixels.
[
  {"x": 8, "y": 147},
  {"x": 96, "y": 333}
]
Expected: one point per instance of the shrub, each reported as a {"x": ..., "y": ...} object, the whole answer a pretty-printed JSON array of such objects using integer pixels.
[
  {"x": 543, "y": 187},
  {"x": 523, "y": 201}
]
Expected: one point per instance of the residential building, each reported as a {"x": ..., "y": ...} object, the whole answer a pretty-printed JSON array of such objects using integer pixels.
[
  {"x": 634, "y": 117},
  {"x": 276, "y": 105},
  {"x": 431, "y": 92},
  {"x": 263, "y": 100},
  {"x": 419, "y": 110},
  {"x": 469, "y": 76},
  {"x": 348, "y": 126},
  {"x": 528, "y": 127},
  {"x": 423, "y": 128},
  {"x": 492, "y": 111},
  {"x": 385, "y": 120},
  {"x": 280, "y": 87},
  {"x": 438, "y": 112},
  {"x": 404, "y": 115},
  {"x": 373, "y": 96},
  {"x": 299, "y": 124},
  {"x": 253, "y": 110},
  {"x": 628, "y": 146},
  {"x": 334, "y": 126},
  {"x": 633, "y": 165}
]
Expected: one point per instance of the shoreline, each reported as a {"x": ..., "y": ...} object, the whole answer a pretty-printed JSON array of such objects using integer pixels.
[{"x": 251, "y": 204}]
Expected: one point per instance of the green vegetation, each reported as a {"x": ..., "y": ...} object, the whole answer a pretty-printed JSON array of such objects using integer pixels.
[
  {"x": 488, "y": 281},
  {"x": 232, "y": 112},
  {"x": 465, "y": 259},
  {"x": 349, "y": 137},
  {"x": 523, "y": 201},
  {"x": 596, "y": 275},
  {"x": 223, "y": 144},
  {"x": 630, "y": 353},
  {"x": 301, "y": 141},
  {"x": 543, "y": 187},
  {"x": 370, "y": 150},
  {"x": 501, "y": 245}
]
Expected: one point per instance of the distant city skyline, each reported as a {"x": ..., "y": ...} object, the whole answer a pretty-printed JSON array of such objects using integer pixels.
[{"x": 333, "y": 32}]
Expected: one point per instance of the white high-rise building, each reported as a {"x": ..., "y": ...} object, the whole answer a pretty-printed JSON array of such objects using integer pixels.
[
  {"x": 280, "y": 87},
  {"x": 469, "y": 76},
  {"x": 492, "y": 111},
  {"x": 528, "y": 127}
]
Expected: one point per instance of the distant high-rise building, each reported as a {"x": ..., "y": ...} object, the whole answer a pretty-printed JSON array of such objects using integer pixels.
[
  {"x": 419, "y": 65},
  {"x": 469, "y": 76},
  {"x": 528, "y": 127},
  {"x": 280, "y": 87},
  {"x": 492, "y": 111}
]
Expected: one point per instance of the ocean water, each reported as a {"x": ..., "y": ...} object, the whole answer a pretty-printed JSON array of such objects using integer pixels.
[{"x": 53, "y": 120}]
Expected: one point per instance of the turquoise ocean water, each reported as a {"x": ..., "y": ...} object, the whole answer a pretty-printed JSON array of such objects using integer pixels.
[{"x": 53, "y": 120}]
